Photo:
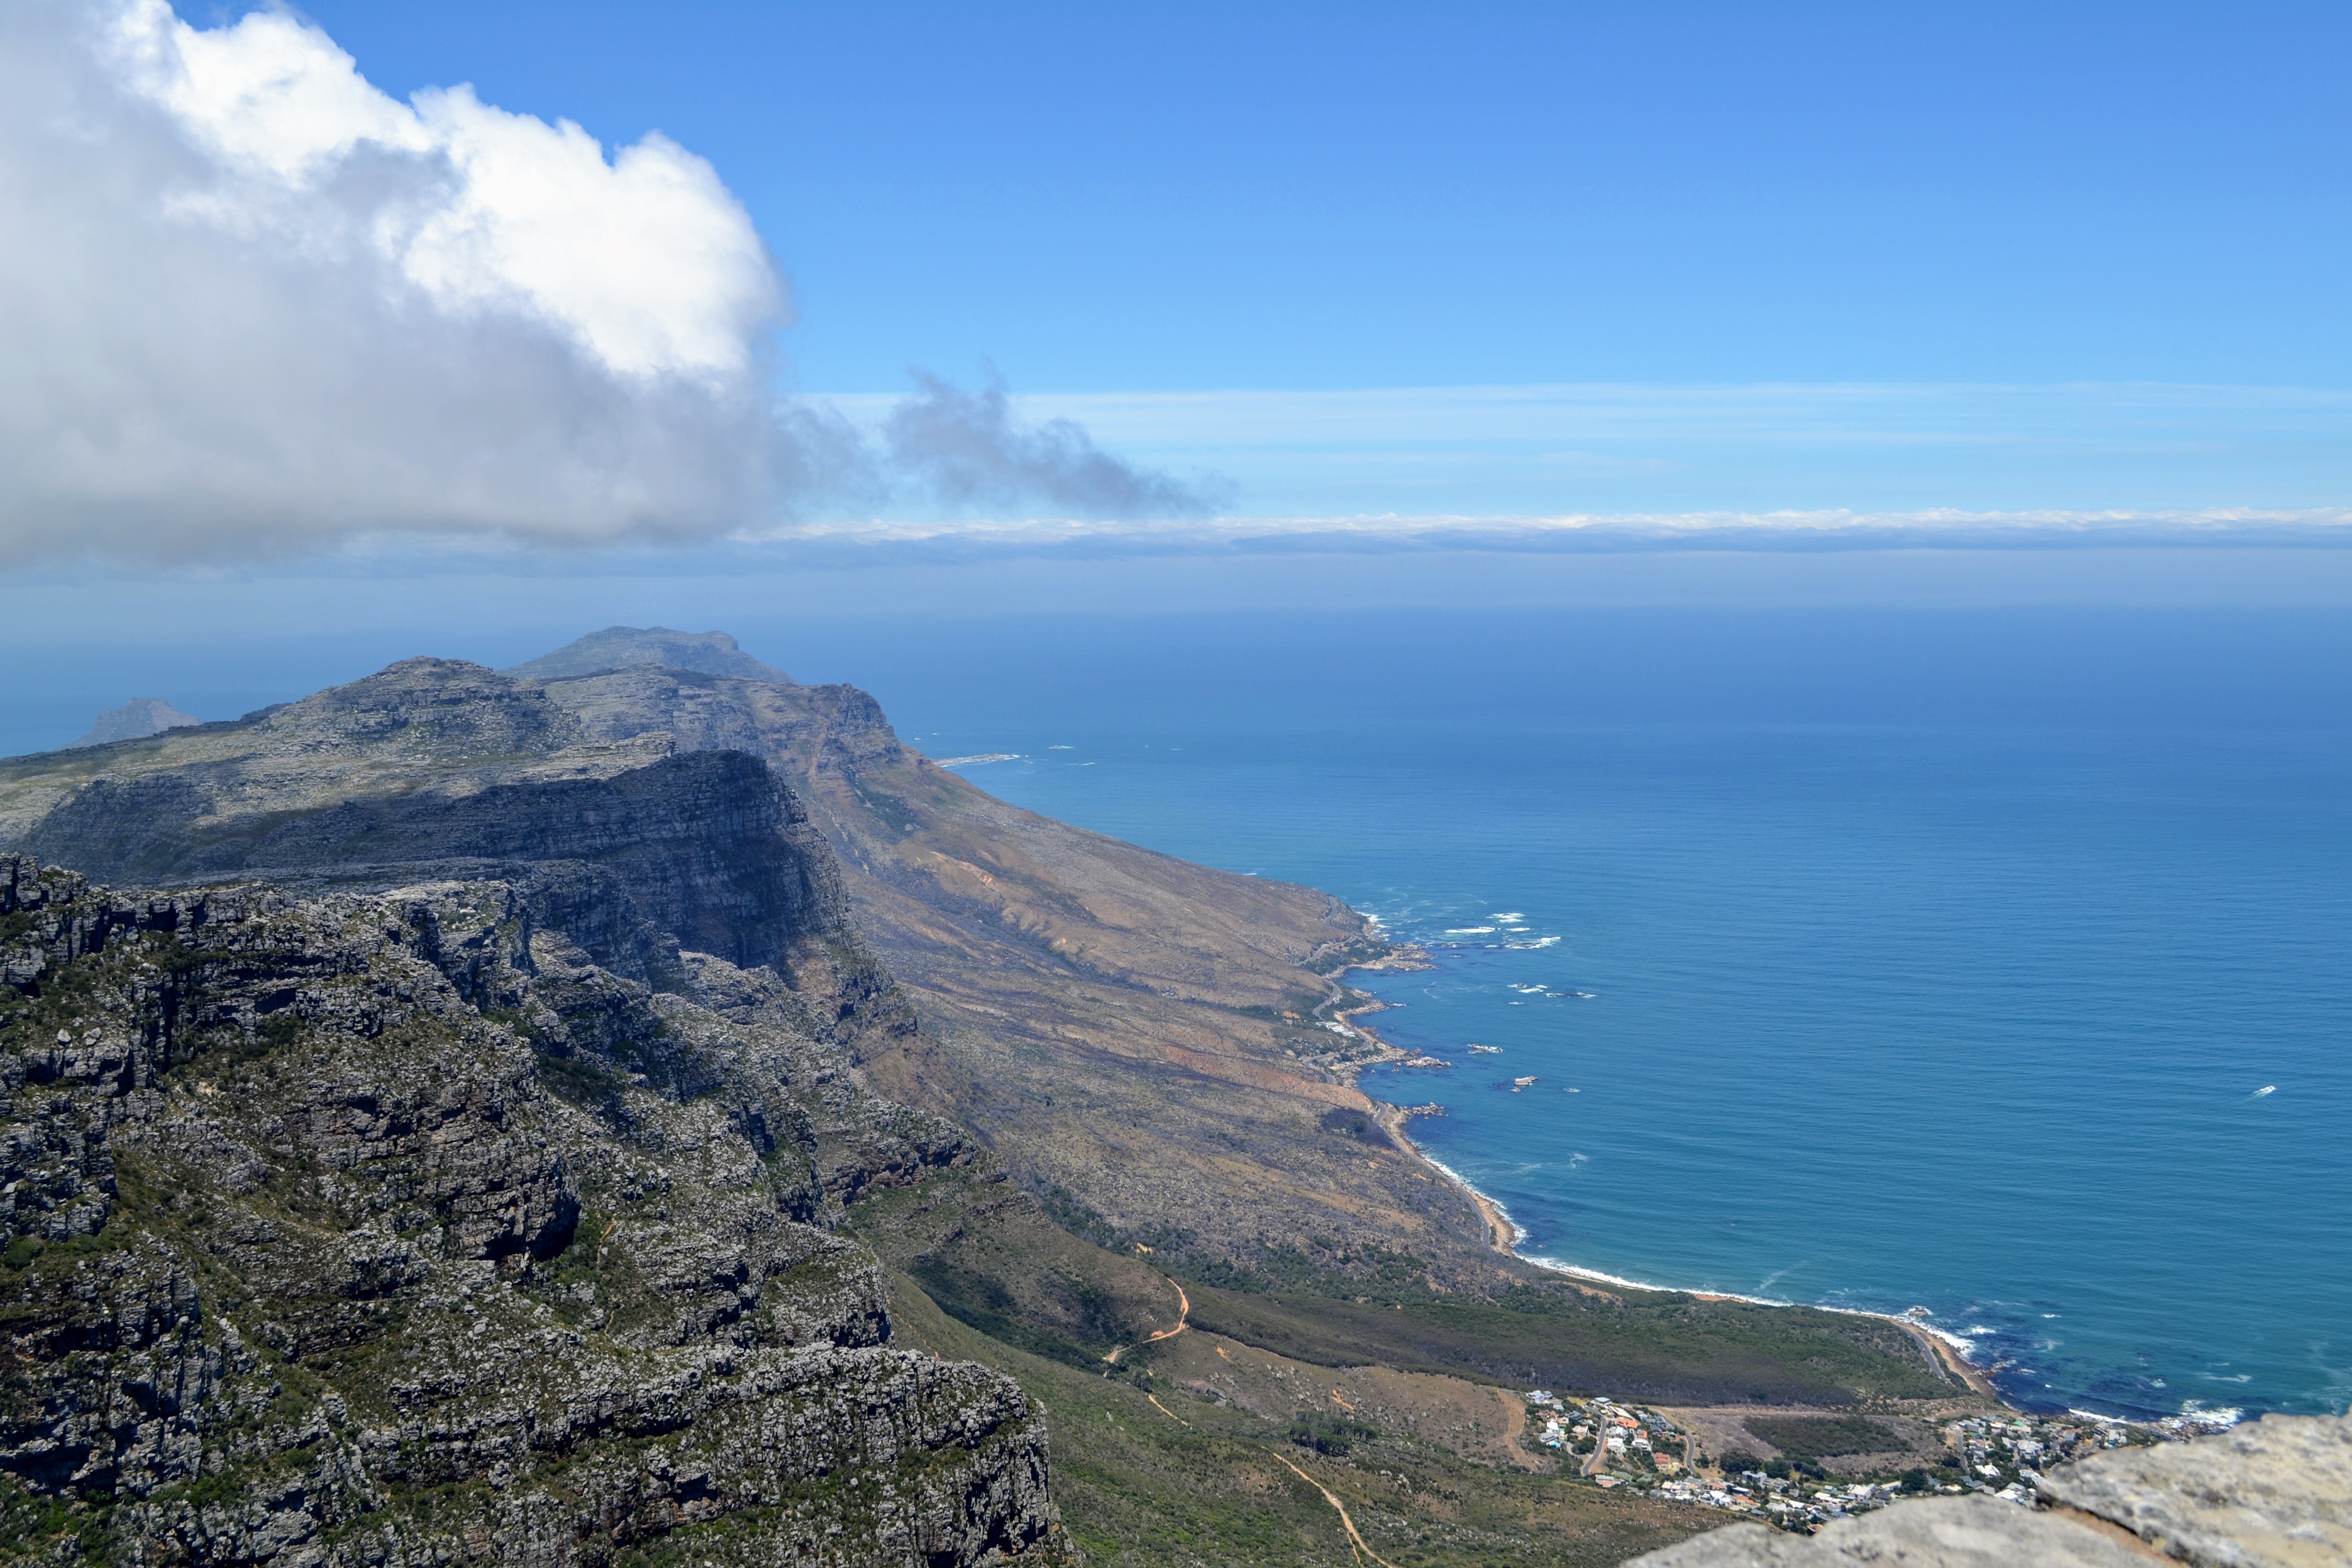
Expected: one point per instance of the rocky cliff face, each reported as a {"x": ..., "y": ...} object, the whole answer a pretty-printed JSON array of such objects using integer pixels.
[
  {"x": 1103, "y": 1016},
  {"x": 708, "y": 852},
  {"x": 439, "y": 768},
  {"x": 390, "y": 1228},
  {"x": 1137, "y": 1032}
]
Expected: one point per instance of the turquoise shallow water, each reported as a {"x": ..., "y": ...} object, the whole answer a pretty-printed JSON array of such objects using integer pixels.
[
  {"x": 1953, "y": 1011},
  {"x": 1933, "y": 959}
]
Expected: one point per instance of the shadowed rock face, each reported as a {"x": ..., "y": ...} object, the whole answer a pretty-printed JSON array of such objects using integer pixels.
[
  {"x": 435, "y": 768},
  {"x": 712, "y": 849},
  {"x": 387, "y": 1229}
]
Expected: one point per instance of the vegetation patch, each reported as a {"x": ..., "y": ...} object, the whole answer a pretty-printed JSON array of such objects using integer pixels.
[
  {"x": 1671, "y": 1347},
  {"x": 1354, "y": 1125},
  {"x": 1178, "y": 1484},
  {"x": 1824, "y": 1436},
  {"x": 1328, "y": 1435}
]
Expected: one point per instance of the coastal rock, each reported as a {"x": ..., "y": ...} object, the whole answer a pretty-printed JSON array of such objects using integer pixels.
[
  {"x": 2272, "y": 1493},
  {"x": 1938, "y": 1532}
]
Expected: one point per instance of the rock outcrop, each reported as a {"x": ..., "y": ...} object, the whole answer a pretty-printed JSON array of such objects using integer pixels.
[
  {"x": 1939, "y": 1533},
  {"x": 388, "y": 1228},
  {"x": 2269, "y": 1494},
  {"x": 437, "y": 769},
  {"x": 391, "y": 1231},
  {"x": 2276, "y": 1493}
]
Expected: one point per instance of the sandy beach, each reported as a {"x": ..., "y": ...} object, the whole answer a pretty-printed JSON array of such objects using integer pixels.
[{"x": 1503, "y": 1235}]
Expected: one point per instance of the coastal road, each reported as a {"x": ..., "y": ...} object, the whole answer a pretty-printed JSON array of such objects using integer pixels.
[{"x": 1950, "y": 1361}]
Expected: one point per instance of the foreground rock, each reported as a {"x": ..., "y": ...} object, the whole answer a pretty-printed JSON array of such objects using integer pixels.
[
  {"x": 1940, "y": 1532},
  {"x": 391, "y": 1230},
  {"x": 2275, "y": 1494}
]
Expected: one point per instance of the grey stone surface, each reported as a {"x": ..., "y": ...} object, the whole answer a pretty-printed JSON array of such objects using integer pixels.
[
  {"x": 2273, "y": 1493},
  {"x": 1742, "y": 1546},
  {"x": 1939, "y": 1533}
]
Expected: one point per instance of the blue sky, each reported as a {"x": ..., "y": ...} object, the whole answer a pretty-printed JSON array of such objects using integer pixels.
[
  {"x": 1115, "y": 198},
  {"x": 2049, "y": 256}
]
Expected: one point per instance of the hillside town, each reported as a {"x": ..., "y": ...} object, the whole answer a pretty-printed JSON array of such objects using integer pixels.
[{"x": 1613, "y": 1444}]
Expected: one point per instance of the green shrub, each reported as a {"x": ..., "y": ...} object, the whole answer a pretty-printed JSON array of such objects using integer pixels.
[
  {"x": 1330, "y": 1435},
  {"x": 1804, "y": 1437}
]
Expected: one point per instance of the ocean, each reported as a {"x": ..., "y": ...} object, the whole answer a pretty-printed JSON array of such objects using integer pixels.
[{"x": 1992, "y": 963}]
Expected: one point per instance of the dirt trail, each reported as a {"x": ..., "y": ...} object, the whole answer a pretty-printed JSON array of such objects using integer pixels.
[
  {"x": 1346, "y": 1523},
  {"x": 1183, "y": 1321},
  {"x": 1515, "y": 1420}
]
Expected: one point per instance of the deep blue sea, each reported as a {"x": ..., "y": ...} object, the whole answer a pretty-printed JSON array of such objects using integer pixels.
[{"x": 1993, "y": 963}]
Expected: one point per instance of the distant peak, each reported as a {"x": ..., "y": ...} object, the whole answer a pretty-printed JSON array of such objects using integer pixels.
[
  {"x": 619, "y": 647},
  {"x": 140, "y": 717}
]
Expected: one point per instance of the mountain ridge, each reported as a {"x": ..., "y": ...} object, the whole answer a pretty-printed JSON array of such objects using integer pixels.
[
  {"x": 619, "y": 647},
  {"x": 1029, "y": 1078}
]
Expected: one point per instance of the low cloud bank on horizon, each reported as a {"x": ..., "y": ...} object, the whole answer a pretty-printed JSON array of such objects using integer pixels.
[
  {"x": 1782, "y": 531},
  {"x": 251, "y": 304}
]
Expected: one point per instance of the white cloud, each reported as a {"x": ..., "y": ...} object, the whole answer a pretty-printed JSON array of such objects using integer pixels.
[
  {"x": 250, "y": 303},
  {"x": 647, "y": 260},
  {"x": 247, "y": 301},
  {"x": 271, "y": 95}
]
